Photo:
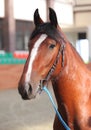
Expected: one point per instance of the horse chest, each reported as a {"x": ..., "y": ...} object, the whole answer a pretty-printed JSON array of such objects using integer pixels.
[
  {"x": 78, "y": 125},
  {"x": 78, "y": 118},
  {"x": 74, "y": 125},
  {"x": 82, "y": 120}
]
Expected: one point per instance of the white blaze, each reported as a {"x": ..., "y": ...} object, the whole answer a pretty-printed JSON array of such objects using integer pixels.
[{"x": 33, "y": 55}]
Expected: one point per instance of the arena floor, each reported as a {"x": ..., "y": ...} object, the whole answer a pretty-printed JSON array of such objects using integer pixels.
[
  {"x": 17, "y": 114},
  {"x": 9, "y": 75}
]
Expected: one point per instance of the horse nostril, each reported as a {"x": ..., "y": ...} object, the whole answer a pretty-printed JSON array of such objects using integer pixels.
[
  {"x": 25, "y": 90},
  {"x": 30, "y": 88},
  {"x": 29, "y": 91}
]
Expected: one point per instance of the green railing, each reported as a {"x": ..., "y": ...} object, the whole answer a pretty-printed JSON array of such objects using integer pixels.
[{"x": 8, "y": 58}]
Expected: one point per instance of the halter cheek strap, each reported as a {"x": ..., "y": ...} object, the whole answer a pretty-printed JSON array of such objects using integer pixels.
[
  {"x": 62, "y": 52},
  {"x": 48, "y": 77}
]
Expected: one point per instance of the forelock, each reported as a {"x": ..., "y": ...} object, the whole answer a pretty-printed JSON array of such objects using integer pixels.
[{"x": 48, "y": 29}]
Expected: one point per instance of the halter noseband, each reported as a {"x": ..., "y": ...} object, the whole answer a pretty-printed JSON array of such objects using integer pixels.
[{"x": 60, "y": 52}]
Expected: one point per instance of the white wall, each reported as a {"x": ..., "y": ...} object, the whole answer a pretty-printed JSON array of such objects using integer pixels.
[
  {"x": 82, "y": 2},
  {"x": 64, "y": 13},
  {"x": 72, "y": 37},
  {"x": 24, "y": 9},
  {"x": 89, "y": 39},
  {"x": 1, "y": 8},
  {"x": 82, "y": 19}
]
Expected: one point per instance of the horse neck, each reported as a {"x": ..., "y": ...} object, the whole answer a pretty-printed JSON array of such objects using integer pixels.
[{"x": 66, "y": 87}]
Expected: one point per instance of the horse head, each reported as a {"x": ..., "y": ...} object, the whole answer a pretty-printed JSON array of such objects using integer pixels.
[{"x": 46, "y": 46}]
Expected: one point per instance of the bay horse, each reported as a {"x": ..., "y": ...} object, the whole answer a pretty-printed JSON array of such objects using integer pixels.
[{"x": 53, "y": 58}]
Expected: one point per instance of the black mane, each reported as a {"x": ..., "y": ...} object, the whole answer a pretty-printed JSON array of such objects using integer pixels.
[{"x": 50, "y": 30}]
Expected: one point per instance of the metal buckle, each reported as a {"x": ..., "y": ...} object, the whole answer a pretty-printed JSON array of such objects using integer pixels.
[{"x": 42, "y": 83}]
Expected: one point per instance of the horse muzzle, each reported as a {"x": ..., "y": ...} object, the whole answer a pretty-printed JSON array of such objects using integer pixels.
[{"x": 25, "y": 91}]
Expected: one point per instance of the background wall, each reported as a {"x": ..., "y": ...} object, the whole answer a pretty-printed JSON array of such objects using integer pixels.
[{"x": 73, "y": 16}]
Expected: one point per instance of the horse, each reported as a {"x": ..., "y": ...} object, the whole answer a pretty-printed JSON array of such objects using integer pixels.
[{"x": 53, "y": 58}]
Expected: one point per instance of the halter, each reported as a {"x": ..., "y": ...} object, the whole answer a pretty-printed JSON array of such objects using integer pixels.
[
  {"x": 60, "y": 52},
  {"x": 45, "y": 81}
]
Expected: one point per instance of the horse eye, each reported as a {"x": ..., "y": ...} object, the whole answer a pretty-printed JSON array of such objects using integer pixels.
[{"x": 51, "y": 46}]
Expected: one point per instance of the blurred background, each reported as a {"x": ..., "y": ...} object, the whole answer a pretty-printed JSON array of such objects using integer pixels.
[{"x": 16, "y": 25}]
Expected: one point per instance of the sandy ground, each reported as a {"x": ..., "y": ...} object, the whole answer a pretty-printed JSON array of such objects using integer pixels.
[
  {"x": 10, "y": 75},
  {"x": 17, "y": 114}
]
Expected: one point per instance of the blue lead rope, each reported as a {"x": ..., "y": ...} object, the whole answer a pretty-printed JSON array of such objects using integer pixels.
[{"x": 55, "y": 108}]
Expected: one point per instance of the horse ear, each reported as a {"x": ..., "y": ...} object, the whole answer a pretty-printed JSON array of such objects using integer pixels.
[
  {"x": 53, "y": 17},
  {"x": 37, "y": 19}
]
